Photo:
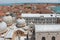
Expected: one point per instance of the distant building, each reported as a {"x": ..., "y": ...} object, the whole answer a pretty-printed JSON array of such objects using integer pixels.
[
  {"x": 46, "y": 26},
  {"x": 42, "y": 18}
]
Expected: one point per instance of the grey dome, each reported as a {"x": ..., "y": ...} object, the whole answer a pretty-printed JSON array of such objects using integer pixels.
[
  {"x": 3, "y": 27},
  {"x": 20, "y": 22}
]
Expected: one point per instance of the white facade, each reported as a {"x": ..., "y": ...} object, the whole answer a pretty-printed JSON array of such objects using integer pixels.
[{"x": 41, "y": 18}]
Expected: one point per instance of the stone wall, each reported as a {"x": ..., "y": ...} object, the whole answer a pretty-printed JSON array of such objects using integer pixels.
[{"x": 47, "y": 35}]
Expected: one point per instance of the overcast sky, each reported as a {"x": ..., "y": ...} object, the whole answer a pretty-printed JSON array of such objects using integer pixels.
[{"x": 29, "y": 1}]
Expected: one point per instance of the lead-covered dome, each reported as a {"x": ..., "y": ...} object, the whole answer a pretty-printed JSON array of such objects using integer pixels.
[
  {"x": 20, "y": 22},
  {"x": 3, "y": 27},
  {"x": 8, "y": 19}
]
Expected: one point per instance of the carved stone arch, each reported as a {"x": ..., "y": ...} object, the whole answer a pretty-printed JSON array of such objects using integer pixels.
[
  {"x": 19, "y": 32},
  {"x": 43, "y": 38},
  {"x": 16, "y": 33},
  {"x": 53, "y": 37}
]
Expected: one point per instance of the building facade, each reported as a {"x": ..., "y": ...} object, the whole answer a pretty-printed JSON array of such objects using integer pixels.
[
  {"x": 41, "y": 18},
  {"x": 47, "y": 32},
  {"x": 47, "y": 36}
]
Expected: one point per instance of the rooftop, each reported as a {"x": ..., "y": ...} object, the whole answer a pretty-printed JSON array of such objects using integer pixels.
[
  {"x": 28, "y": 8},
  {"x": 39, "y": 15},
  {"x": 47, "y": 28}
]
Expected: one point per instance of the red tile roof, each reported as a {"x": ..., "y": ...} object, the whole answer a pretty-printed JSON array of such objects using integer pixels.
[{"x": 2, "y": 13}]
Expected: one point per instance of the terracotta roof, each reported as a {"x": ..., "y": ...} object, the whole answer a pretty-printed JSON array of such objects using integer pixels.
[
  {"x": 24, "y": 8},
  {"x": 2, "y": 13},
  {"x": 45, "y": 11}
]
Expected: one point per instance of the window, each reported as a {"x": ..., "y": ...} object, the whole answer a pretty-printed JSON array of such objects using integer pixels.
[
  {"x": 51, "y": 15},
  {"x": 43, "y": 38},
  {"x": 53, "y": 38},
  {"x": 27, "y": 39}
]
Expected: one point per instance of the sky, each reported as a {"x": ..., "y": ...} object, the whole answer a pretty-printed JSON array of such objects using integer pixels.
[{"x": 29, "y": 1}]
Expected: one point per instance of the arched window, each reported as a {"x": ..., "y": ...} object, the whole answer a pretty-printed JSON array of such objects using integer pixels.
[
  {"x": 53, "y": 38},
  {"x": 43, "y": 38}
]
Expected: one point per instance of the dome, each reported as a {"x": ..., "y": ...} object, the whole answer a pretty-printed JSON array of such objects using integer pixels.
[
  {"x": 8, "y": 19},
  {"x": 3, "y": 27},
  {"x": 20, "y": 22}
]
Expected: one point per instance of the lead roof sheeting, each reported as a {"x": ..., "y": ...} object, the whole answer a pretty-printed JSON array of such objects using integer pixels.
[{"x": 47, "y": 28}]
